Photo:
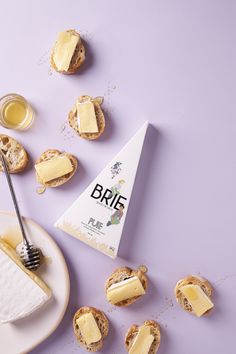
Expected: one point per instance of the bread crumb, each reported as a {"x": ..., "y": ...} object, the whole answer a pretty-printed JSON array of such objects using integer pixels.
[{"x": 44, "y": 59}]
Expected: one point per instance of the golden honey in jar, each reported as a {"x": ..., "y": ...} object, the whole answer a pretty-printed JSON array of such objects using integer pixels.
[{"x": 15, "y": 112}]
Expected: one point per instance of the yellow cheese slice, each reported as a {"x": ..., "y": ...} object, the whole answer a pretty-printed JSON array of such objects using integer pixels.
[
  {"x": 64, "y": 50},
  {"x": 142, "y": 342},
  {"x": 199, "y": 301},
  {"x": 87, "y": 120},
  {"x": 125, "y": 289},
  {"x": 54, "y": 168},
  {"x": 89, "y": 328}
]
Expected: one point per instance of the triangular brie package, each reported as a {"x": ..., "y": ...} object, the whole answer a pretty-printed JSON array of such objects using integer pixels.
[{"x": 97, "y": 217}]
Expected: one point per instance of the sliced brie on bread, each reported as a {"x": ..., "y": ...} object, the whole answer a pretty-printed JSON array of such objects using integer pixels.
[{"x": 21, "y": 291}]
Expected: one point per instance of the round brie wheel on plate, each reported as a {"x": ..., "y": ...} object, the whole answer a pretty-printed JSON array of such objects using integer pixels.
[{"x": 25, "y": 334}]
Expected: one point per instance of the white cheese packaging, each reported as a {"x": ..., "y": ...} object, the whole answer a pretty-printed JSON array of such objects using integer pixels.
[{"x": 97, "y": 217}]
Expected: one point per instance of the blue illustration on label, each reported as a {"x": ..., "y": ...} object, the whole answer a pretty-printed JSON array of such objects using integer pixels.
[{"x": 116, "y": 169}]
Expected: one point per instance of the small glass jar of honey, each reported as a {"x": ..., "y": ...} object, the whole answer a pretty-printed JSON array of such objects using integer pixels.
[{"x": 15, "y": 112}]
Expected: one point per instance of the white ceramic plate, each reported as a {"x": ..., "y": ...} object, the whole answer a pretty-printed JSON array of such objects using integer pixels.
[{"x": 27, "y": 333}]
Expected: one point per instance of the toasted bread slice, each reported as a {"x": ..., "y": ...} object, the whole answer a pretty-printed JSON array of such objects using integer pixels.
[
  {"x": 195, "y": 280},
  {"x": 50, "y": 154},
  {"x": 77, "y": 59},
  {"x": 154, "y": 330},
  {"x": 102, "y": 323},
  {"x": 16, "y": 156},
  {"x": 73, "y": 119},
  {"x": 124, "y": 273}
]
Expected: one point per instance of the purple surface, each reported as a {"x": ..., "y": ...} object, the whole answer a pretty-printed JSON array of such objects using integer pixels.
[{"x": 172, "y": 62}]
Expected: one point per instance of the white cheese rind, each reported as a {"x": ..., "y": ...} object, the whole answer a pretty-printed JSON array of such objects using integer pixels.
[{"x": 19, "y": 294}]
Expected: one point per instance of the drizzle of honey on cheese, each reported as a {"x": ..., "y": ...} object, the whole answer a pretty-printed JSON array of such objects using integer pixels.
[
  {"x": 13, "y": 237},
  {"x": 47, "y": 260}
]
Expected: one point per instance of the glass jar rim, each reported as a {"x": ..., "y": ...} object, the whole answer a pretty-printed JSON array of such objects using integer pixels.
[{"x": 14, "y": 95}]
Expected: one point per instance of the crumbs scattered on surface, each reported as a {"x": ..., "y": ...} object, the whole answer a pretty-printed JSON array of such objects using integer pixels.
[
  {"x": 109, "y": 108},
  {"x": 109, "y": 91},
  {"x": 63, "y": 127},
  {"x": 66, "y": 131},
  {"x": 111, "y": 309},
  {"x": 166, "y": 307},
  {"x": 164, "y": 324},
  {"x": 220, "y": 281},
  {"x": 44, "y": 59},
  {"x": 50, "y": 71}
]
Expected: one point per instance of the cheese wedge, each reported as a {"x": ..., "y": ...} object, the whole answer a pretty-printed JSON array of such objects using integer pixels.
[
  {"x": 64, "y": 49},
  {"x": 142, "y": 342},
  {"x": 54, "y": 168},
  {"x": 21, "y": 291},
  {"x": 87, "y": 121},
  {"x": 125, "y": 289},
  {"x": 199, "y": 301},
  {"x": 89, "y": 328}
]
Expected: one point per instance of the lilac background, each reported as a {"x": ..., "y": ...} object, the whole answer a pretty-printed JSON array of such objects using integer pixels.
[{"x": 172, "y": 62}]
